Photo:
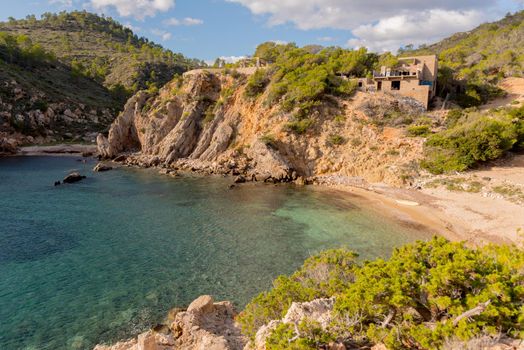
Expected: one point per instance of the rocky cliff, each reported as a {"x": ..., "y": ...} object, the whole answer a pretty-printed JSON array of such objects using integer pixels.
[{"x": 205, "y": 122}]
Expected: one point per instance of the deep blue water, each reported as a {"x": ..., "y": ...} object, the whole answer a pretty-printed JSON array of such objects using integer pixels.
[{"x": 106, "y": 258}]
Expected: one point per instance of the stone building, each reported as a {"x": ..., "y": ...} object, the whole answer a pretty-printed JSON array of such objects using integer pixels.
[{"x": 414, "y": 77}]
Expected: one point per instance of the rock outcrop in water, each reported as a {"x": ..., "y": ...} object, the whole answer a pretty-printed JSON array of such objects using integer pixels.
[
  {"x": 206, "y": 123},
  {"x": 73, "y": 177}
]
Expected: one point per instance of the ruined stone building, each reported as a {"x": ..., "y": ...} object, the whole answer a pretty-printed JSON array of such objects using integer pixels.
[{"x": 414, "y": 77}]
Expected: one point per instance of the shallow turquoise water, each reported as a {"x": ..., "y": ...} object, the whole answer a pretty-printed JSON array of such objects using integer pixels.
[{"x": 106, "y": 258}]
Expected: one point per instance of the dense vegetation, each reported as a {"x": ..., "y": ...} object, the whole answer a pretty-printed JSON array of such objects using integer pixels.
[
  {"x": 472, "y": 137},
  {"x": 102, "y": 49},
  {"x": 35, "y": 69},
  {"x": 425, "y": 294},
  {"x": 300, "y": 79},
  {"x": 471, "y": 63}
]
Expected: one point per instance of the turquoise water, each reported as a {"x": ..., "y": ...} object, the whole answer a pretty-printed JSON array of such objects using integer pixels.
[{"x": 106, "y": 258}]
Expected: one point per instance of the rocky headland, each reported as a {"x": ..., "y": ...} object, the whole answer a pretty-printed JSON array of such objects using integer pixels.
[{"x": 205, "y": 123}]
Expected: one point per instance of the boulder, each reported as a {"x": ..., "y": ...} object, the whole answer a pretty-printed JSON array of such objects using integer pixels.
[
  {"x": 300, "y": 181},
  {"x": 120, "y": 158},
  {"x": 72, "y": 178},
  {"x": 240, "y": 179},
  {"x": 102, "y": 167},
  {"x": 203, "y": 304}
]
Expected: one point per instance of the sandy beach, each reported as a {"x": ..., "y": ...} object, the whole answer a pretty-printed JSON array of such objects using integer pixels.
[{"x": 494, "y": 213}]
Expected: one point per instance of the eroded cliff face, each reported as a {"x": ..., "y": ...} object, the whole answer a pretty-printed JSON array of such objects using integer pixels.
[{"x": 206, "y": 123}]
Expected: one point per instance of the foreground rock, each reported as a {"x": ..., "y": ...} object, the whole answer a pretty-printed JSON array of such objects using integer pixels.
[
  {"x": 73, "y": 177},
  {"x": 205, "y": 325},
  {"x": 100, "y": 167}
]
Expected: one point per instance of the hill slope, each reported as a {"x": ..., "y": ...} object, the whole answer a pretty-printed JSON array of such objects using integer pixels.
[
  {"x": 65, "y": 76},
  {"x": 102, "y": 48},
  {"x": 481, "y": 57}
]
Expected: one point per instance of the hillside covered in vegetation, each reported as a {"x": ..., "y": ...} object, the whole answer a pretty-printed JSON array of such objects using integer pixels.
[
  {"x": 472, "y": 63},
  {"x": 102, "y": 49},
  {"x": 66, "y": 75}
]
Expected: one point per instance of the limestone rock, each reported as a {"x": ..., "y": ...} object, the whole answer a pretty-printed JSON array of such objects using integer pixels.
[
  {"x": 207, "y": 124},
  {"x": 73, "y": 177},
  {"x": 100, "y": 167},
  {"x": 205, "y": 325},
  {"x": 318, "y": 310},
  {"x": 203, "y": 304}
]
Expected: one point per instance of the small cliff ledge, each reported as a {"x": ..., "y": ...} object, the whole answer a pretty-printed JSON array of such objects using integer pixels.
[
  {"x": 204, "y": 325},
  {"x": 205, "y": 121}
]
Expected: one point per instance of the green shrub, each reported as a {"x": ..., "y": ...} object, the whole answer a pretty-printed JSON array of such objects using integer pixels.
[
  {"x": 474, "y": 138},
  {"x": 322, "y": 275},
  {"x": 312, "y": 337},
  {"x": 414, "y": 300},
  {"x": 419, "y": 130},
  {"x": 268, "y": 140},
  {"x": 356, "y": 142},
  {"x": 336, "y": 140},
  {"x": 340, "y": 119},
  {"x": 302, "y": 78},
  {"x": 256, "y": 84},
  {"x": 454, "y": 116},
  {"x": 209, "y": 115},
  {"x": 41, "y": 105},
  {"x": 300, "y": 126}
]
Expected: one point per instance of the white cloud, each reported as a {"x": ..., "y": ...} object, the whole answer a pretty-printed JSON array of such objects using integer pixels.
[
  {"x": 232, "y": 59},
  {"x": 348, "y": 14},
  {"x": 389, "y": 34},
  {"x": 227, "y": 59},
  {"x": 63, "y": 3},
  {"x": 380, "y": 24},
  {"x": 132, "y": 27},
  {"x": 139, "y": 9},
  {"x": 162, "y": 34},
  {"x": 326, "y": 39},
  {"x": 188, "y": 21}
]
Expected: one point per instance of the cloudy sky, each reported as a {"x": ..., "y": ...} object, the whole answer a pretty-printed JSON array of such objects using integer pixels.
[{"x": 208, "y": 29}]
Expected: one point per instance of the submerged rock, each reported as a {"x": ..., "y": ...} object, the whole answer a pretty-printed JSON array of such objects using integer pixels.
[
  {"x": 101, "y": 168},
  {"x": 73, "y": 177}
]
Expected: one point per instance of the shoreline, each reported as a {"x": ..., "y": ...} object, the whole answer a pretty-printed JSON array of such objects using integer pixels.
[
  {"x": 445, "y": 214},
  {"x": 434, "y": 211},
  {"x": 395, "y": 206},
  {"x": 57, "y": 150}
]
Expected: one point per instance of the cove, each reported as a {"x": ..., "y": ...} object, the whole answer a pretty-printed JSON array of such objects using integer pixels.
[{"x": 106, "y": 258}]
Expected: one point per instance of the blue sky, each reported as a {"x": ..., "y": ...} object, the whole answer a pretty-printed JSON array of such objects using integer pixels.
[{"x": 208, "y": 29}]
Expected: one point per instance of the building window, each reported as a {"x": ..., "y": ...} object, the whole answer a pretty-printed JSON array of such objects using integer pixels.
[
  {"x": 359, "y": 84},
  {"x": 395, "y": 85},
  {"x": 379, "y": 86}
]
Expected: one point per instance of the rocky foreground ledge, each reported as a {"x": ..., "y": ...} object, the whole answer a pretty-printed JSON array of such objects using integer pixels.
[
  {"x": 204, "y": 325},
  {"x": 209, "y": 325}
]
